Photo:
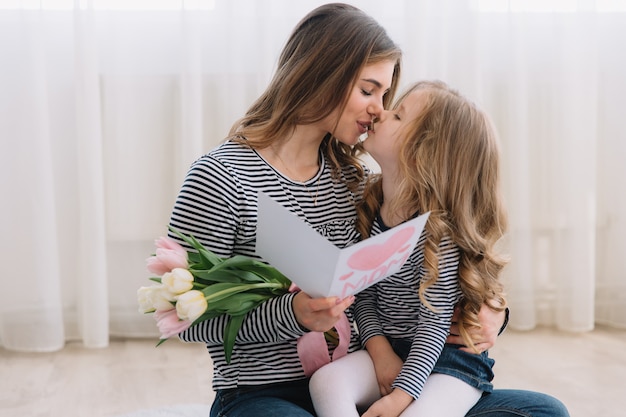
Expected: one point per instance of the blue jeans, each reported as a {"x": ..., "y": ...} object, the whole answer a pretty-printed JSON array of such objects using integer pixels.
[
  {"x": 274, "y": 401},
  {"x": 513, "y": 403},
  {"x": 473, "y": 369},
  {"x": 288, "y": 399},
  {"x": 292, "y": 399},
  {"x": 476, "y": 371},
  {"x": 269, "y": 402}
]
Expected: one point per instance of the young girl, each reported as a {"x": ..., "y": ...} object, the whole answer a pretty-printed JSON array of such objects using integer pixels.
[{"x": 438, "y": 153}]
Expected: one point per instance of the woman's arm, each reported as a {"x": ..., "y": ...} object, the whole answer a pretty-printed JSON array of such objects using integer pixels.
[
  {"x": 212, "y": 206},
  {"x": 493, "y": 323},
  {"x": 209, "y": 206}
]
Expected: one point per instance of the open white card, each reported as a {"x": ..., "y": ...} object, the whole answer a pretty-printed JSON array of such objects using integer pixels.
[{"x": 320, "y": 268}]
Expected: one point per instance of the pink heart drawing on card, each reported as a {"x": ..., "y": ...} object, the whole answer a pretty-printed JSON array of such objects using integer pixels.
[{"x": 373, "y": 256}]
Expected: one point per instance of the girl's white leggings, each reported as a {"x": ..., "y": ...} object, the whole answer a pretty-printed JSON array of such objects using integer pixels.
[{"x": 348, "y": 386}]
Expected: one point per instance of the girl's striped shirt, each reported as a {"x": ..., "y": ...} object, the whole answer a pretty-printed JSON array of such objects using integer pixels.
[{"x": 393, "y": 308}]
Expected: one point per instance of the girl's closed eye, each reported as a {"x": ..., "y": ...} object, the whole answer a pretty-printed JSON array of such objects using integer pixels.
[{"x": 366, "y": 93}]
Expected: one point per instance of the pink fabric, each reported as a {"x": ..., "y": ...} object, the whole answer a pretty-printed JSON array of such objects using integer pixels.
[{"x": 313, "y": 349}]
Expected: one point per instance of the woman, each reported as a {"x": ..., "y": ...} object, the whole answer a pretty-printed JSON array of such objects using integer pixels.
[{"x": 335, "y": 75}]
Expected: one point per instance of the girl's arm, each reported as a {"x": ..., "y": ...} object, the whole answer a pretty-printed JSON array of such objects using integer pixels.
[
  {"x": 387, "y": 364},
  {"x": 433, "y": 326},
  {"x": 429, "y": 338}
]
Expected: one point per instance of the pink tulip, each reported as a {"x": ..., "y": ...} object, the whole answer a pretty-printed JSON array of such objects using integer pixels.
[
  {"x": 169, "y": 324},
  {"x": 169, "y": 255}
]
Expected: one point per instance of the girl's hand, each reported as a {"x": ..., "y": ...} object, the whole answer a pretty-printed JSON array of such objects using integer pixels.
[
  {"x": 387, "y": 364},
  {"x": 391, "y": 405}
]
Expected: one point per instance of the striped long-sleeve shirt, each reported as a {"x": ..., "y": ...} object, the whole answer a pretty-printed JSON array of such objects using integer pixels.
[
  {"x": 393, "y": 308},
  {"x": 218, "y": 205}
]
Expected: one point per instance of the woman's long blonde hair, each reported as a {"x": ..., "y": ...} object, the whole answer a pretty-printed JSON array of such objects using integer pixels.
[
  {"x": 316, "y": 71},
  {"x": 449, "y": 165}
]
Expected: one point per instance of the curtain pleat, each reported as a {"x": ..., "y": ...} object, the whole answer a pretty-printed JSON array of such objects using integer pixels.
[
  {"x": 103, "y": 111},
  {"x": 93, "y": 300},
  {"x": 31, "y": 316}
]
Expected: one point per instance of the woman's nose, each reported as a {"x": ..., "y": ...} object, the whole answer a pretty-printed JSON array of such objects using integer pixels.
[{"x": 375, "y": 109}]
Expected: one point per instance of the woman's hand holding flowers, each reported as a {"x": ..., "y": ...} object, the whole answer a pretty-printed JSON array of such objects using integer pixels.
[{"x": 199, "y": 285}]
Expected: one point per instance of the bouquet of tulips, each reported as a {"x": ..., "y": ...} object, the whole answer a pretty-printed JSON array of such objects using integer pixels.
[{"x": 193, "y": 286}]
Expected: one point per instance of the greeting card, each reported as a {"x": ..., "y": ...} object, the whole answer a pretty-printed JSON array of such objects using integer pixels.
[{"x": 320, "y": 268}]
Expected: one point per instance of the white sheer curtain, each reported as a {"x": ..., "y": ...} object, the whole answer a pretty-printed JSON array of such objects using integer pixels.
[{"x": 102, "y": 111}]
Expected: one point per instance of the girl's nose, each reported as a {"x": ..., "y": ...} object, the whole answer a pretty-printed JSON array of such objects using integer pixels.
[{"x": 383, "y": 116}]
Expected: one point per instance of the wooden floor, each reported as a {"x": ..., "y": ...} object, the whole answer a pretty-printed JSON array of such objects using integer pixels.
[{"x": 586, "y": 371}]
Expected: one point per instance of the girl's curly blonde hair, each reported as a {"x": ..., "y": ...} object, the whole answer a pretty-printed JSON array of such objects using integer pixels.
[{"x": 449, "y": 165}]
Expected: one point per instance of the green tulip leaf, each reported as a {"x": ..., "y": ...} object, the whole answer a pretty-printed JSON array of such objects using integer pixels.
[
  {"x": 204, "y": 276},
  {"x": 232, "y": 286},
  {"x": 206, "y": 256},
  {"x": 230, "y": 334}
]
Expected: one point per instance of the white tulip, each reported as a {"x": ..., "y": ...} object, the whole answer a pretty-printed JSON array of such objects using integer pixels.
[
  {"x": 178, "y": 281},
  {"x": 144, "y": 298},
  {"x": 155, "y": 297},
  {"x": 191, "y": 305}
]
